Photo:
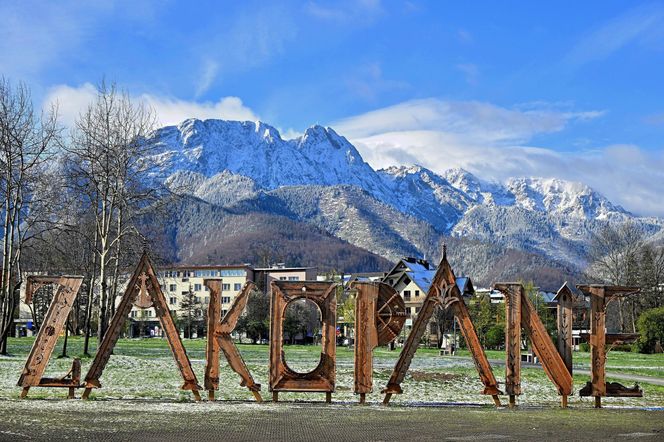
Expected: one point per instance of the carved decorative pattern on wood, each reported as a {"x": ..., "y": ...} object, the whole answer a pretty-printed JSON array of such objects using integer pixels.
[
  {"x": 321, "y": 378},
  {"x": 47, "y": 336},
  {"x": 444, "y": 293},
  {"x": 144, "y": 280},
  {"x": 219, "y": 338},
  {"x": 380, "y": 314}
]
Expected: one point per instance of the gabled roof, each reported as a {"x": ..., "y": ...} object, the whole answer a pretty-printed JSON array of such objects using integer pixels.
[
  {"x": 564, "y": 289},
  {"x": 422, "y": 273},
  {"x": 465, "y": 285}
]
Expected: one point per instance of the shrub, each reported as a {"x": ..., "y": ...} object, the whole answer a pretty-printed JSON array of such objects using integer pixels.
[
  {"x": 495, "y": 336},
  {"x": 584, "y": 346},
  {"x": 651, "y": 329}
]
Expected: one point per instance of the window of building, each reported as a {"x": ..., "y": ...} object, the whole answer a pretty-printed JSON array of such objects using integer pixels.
[
  {"x": 197, "y": 287},
  {"x": 233, "y": 272},
  {"x": 417, "y": 309},
  {"x": 417, "y": 293},
  {"x": 207, "y": 299},
  {"x": 433, "y": 329},
  {"x": 282, "y": 278},
  {"x": 223, "y": 312},
  {"x": 409, "y": 310},
  {"x": 225, "y": 299},
  {"x": 172, "y": 287},
  {"x": 293, "y": 278},
  {"x": 406, "y": 294},
  {"x": 197, "y": 299},
  {"x": 133, "y": 313},
  {"x": 237, "y": 287},
  {"x": 225, "y": 287},
  {"x": 173, "y": 300}
]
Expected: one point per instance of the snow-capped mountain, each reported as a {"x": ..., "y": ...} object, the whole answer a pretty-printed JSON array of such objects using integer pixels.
[
  {"x": 320, "y": 179},
  {"x": 256, "y": 150}
]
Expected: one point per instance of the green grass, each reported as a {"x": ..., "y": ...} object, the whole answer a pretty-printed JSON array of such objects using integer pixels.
[{"x": 616, "y": 362}]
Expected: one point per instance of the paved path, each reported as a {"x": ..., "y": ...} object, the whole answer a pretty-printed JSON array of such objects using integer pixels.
[{"x": 293, "y": 422}]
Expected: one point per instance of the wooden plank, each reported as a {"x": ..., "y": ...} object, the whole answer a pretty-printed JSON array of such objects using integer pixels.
[
  {"x": 597, "y": 341},
  {"x": 366, "y": 336},
  {"x": 47, "y": 336},
  {"x": 212, "y": 351},
  {"x": 512, "y": 294},
  {"x": 482, "y": 364},
  {"x": 564, "y": 323},
  {"x": 553, "y": 364}
]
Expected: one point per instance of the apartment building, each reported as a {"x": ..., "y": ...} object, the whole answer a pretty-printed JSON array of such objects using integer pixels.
[
  {"x": 185, "y": 292},
  {"x": 280, "y": 272}
]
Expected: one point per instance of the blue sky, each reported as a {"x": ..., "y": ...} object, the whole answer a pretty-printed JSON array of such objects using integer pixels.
[{"x": 571, "y": 90}]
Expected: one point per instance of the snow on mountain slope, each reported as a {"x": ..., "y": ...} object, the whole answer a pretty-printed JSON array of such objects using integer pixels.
[
  {"x": 320, "y": 178},
  {"x": 256, "y": 150}
]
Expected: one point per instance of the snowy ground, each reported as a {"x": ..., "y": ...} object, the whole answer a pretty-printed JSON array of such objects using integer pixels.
[
  {"x": 141, "y": 396},
  {"x": 146, "y": 370}
]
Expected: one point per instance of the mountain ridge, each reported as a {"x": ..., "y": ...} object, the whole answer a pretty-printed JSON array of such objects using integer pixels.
[{"x": 321, "y": 179}]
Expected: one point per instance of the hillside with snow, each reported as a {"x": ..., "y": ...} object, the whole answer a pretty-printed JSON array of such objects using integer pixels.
[{"x": 321, "y": 180}]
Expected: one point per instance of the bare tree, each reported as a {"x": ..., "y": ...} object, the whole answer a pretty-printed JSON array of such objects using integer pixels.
[
  {"x": 109, "y": 163},
  {"x": 614, "y": 256},
  {"x": 26, "y": 140}
]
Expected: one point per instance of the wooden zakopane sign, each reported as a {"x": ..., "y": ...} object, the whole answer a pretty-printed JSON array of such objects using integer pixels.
[
  {"x": 380, "y": 314},
  {"x": 321, "y": 378},
  {"x": 219, "y": 338},
  {"x": 520, "y": 312},
  {"x": 47, "y": 337},
  {"x": 143, "y": 291},
  {"x": 444, "y": 293}
]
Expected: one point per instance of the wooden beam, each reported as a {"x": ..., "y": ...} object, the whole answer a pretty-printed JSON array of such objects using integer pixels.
[
  {"x": 512, "y": 293},
  {"x": 564, "y": 323},
  {"x": 211, "y": 381}
]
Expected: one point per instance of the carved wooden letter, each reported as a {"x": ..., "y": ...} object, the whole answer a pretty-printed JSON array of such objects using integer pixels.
[
  {"x": 219, "y": 337},
  {"x": 322, "y": 378},
  {"x": 47, "y": 337},
  {"x": 379, "y": 317},
  {"x": 143, "y": 291}
]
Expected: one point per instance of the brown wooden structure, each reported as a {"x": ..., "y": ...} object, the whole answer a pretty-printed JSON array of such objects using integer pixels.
[
  {"x": 47, "y": 336},
  {"x": 564, "y": 323},
  {"x": 600, "y": 296},
  {"x": 143, "y": 291},
  {"x": 444, "y": 293},
  {"x": 380, "y": 314},
  {"x": 321, "y": 378},
  {"x": 520, "y": 312},
  {"x": 219, "y": 338}
]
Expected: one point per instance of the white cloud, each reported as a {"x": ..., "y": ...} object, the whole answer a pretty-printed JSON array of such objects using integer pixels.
[
  {"x": 208, "y": 75},
  {"x": 72, "y": 101},
  {"x": 492, "y": 142},
  {"x": 642, "y": 24},
  {"x": 364, "y": 11},
  {"x": 253, "y": 37}
]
